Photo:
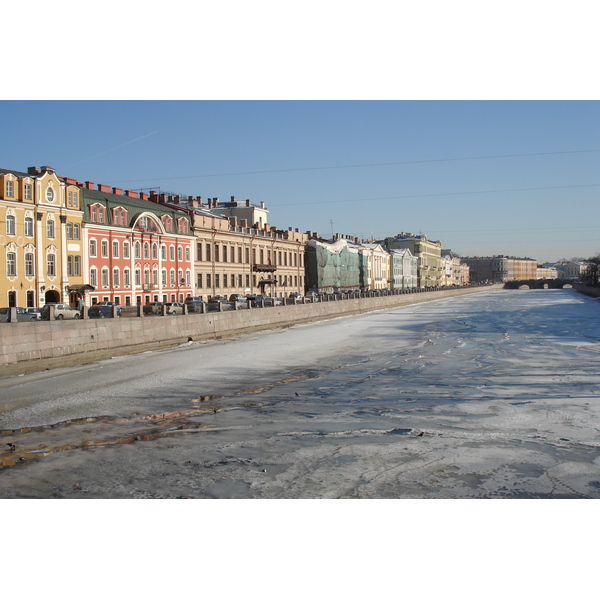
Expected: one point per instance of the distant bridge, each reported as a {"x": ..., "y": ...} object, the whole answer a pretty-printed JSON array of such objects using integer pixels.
[{"x": 539, "y": 284}]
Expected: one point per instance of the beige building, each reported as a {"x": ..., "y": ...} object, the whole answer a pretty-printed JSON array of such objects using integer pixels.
[
  {"x": 451, "y": 269},
  {"x": 428, "y": 252},
  {"x": 379, "y": 275},
  {"x": 238, "y": 252},
  {"x": 41, "y": 238},
  {"x": 500, "y": 269}
]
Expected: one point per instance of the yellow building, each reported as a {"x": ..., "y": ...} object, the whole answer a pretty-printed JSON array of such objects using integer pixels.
[{"x": 40, "y": 232}]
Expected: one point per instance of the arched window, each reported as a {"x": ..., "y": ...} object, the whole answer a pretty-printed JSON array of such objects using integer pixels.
[
  {"x": 116, "y": 278},
  {"x": 51, "y": 265},
  {"x": 137, "y": 250},
  {"x": 10, "y": 225},
  {"x": 146, "y": 250},
  {"x": 11, "y": 264},
  {"x": 29, "y": 264},
  {"x": 50, "y": 230},
  {"x": 105, "y": 278},
  {"x": 155, "y": 251},
  {"x": 94, "y": 277},
  {"x": 29, "y": 226}
]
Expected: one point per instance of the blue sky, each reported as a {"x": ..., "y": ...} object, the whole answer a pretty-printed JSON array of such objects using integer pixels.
[{"x": 484, "y": 177}]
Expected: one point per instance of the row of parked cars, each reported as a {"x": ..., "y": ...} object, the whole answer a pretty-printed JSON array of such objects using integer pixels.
[{"x": 104, "y": 310}]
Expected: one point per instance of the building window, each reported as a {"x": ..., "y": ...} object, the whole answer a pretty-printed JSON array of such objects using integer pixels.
[
  {"x": 207, "y": 253},
  {"x": 72, "y": 199},
  {"x": 29, "y": 272},
  {"x": 51, "y": 265},
  {"x": 163, "y": 252},
  {"x": 164, "y": 277},
  {"x": 70, "y": 265},
  {"x": 125, "y": 249},
  {"x": 104, "y": 278},
  {"x": 188, "y": 278},
  {"x": 233, "y": 281},
  {"x": 93, "y": 248},
  {"x": 224, "y": 253},
  {"x": 224, "y": 280},
  {"x": 179, "y": 253},
  {"x": 50, "y": 230},
  {"x": 208, "y": 285},
  {"x": 155, "y": 251},
  {"x": 27, "y": 191},
  {"x": 217, "y": 283},
  {"x": 172, "y": 252},
  {"x": 11, "y": 264},
  {"x": 137, "y": 249},
  {"x": 232, "y": 257},
  {"x": 199, "y": 280},
  {"x": 198, "y": 251},
  {"x": 29, "y": 226},
  {"x": 10, "y": 225},
  {"x": 93, "y": 277},
  {"x": 104, "y": 248},
  {"x": 146, "y": 250},
  {"x": 69, "y": 230},
  {"x": 116, "y": 278},
  {"x": 172, "y": 277},
  {"x": 10, "y": 189},
  {"x": 187, "y": 253},
  {"x": 216, "y": 253},
  {"x": 138, "y": 277},
  {"x": 77, "y": 266},
  {"x": 126, "y": 278},
  {"x": 115, "y": 249},
  {"x": 49, "y": 194}
]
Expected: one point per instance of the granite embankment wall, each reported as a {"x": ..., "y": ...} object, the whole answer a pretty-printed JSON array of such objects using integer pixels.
[{"x": 33, "y": 346}]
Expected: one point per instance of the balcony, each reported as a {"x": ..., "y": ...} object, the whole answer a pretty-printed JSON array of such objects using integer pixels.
[{"x": 264, "y": 268}]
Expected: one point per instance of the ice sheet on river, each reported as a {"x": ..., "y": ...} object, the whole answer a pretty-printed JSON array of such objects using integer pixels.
[{"x": 493, "y": 395}]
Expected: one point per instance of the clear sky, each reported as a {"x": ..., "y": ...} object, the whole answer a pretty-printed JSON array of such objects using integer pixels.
[{"x": 484, "y": 177}]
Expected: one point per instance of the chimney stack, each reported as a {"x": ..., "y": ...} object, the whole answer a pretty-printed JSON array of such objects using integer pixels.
[
  {"x": 89, "y": 185},
  {"x": 117, "y": 191}
]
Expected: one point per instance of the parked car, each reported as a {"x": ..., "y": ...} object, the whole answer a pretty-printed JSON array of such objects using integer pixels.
[
  {"x": 154, "y": 308},
  {"x": 174, "y": 308},
  {"x": 242, "y": 301},
  {"x": 213, "y": 303},
  {"x": 34, "y": 313},
  {"x": 61, "y": 311},
  {"x": 312, "y": 296},
  {"x": 22, "y": 315},
  {"x": 296, "y": 295},
  {"x": 102, "y": 311},
  {"x": 194, "y": 304}
]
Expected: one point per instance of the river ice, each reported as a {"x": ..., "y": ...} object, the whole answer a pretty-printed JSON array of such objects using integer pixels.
[{"x": 491, "y": 395}]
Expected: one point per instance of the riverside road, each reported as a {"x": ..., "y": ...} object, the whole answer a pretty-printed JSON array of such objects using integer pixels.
[{"x": 491, "y": 395}]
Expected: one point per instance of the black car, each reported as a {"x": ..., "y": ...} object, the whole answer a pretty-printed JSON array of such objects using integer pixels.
[{"x": 103, "y": 311}]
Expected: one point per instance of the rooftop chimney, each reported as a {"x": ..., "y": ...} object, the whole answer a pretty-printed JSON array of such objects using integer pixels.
[
  {"x": 247, "y": 202},
  {"x": 104, "y": 188},
  {"x": 131, "y": 194},
  {"x": 118, "y": 191},
  {"x": 89, "y": 185},
  {"x": 33, "y": 170}
]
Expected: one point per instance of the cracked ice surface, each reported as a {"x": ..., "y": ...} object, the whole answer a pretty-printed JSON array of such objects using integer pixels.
[{"x": 491, "y": 395}]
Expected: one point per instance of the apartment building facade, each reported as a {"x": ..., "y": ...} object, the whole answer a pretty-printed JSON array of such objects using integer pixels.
[
  {"x": 137, "y": 251},
  {"x": 238, "y": 252},
  {"x": 41, "y": 238},
  {"x": 428, "y": 253}
]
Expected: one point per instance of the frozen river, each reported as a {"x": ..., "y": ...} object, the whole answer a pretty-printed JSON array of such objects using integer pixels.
[{"x": 489, "y": 395}]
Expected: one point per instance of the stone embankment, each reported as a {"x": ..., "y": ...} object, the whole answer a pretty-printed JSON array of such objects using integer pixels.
[{"x": 35, "y": 346}]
